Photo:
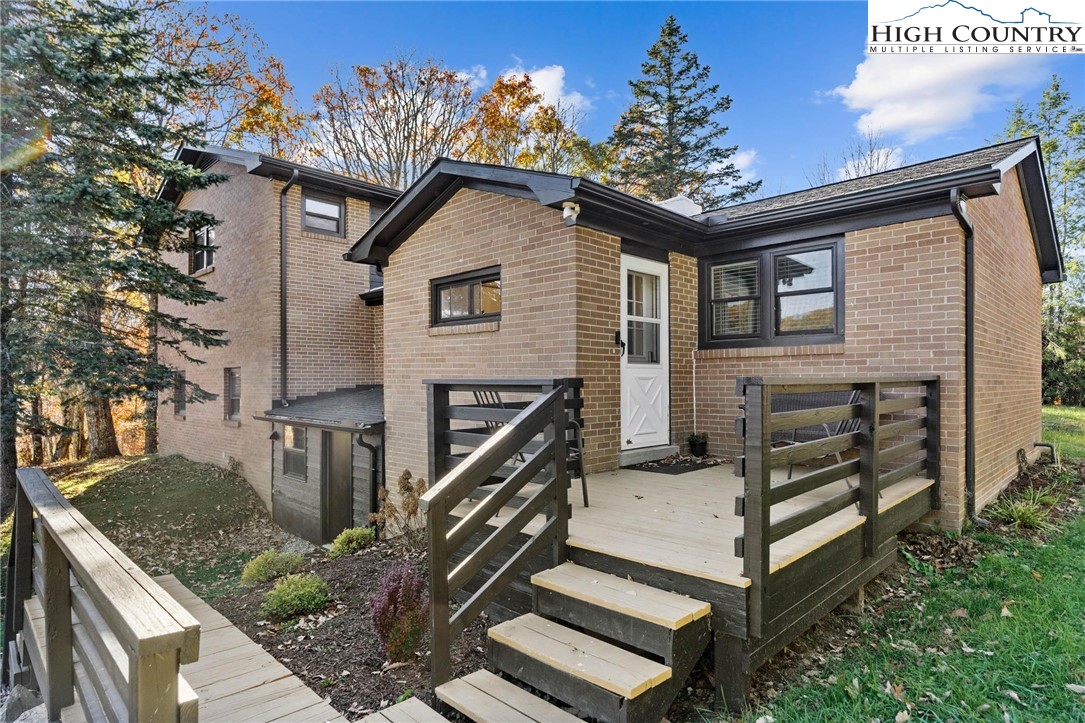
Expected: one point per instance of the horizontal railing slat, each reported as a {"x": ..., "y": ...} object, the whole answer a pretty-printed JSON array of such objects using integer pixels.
[
  {"x": 501, "y": 536},
  {"x": 891, "y": 454},
  {"x": 482, "y": 597},
  {"x": 892, "y": 429},
  {"x": 813, "y": 480},
  {"x": 815, "y": 513},
  {"x": 476, "y": 519},
  {"x": 900, "y": 404},
  {"x": 781, "y": 421},
  {"x": 105, "y": 641},
  {"x": 491, "y": 455},
  {"x": 102, "y": 685},
  {"x": 888, "y": 479},
  {"x": 796, "y": 453},
  {"x": 482, "y": 414},
  {"x": 476, "y": 438}
]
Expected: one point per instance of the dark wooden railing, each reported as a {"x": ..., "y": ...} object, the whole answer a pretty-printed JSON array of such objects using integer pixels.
[
  {"x": 527, "y": 447},
  {"x": 81, "y": 616},
  {"x": 884, "y": 430}
]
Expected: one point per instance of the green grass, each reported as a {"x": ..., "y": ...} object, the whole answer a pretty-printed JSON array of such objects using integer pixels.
[
  {"x": 950, "y": 667},
  {"x": 1064, "y": 427},
  {"x": 197, "y": 521}
]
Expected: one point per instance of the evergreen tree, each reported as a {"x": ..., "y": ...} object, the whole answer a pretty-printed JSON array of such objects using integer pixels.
[
  {"x": 82, "y": 237},
  {"x": 1061, "y": 128},
  {"x": 667, "y": 140}
]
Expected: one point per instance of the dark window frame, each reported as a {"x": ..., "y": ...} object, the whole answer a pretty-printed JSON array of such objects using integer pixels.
[
  {"x": 769, "y": 306},
  {"x": 179, "y": 394},
  {"x": 468, "y": 278},
  {"x": 232, "y": 386},
  {"x": 201, "y": 257},
  {"x": 341, "y": 201},
  {"x": 295, "y": 453}
]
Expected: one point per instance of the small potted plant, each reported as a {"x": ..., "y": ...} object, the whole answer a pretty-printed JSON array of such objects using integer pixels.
[{"x": 698, "y": 444}]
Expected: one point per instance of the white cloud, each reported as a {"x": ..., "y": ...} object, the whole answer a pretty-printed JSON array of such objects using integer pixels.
[
  {"x": 475, "y": 75},
  {"x": 920, "y": 96},
  {"x": 744, "y": 162},
  {"x": 549, "y": 80}
]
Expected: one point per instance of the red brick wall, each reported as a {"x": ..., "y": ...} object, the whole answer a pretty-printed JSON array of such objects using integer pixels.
[
  {"x": 1008, "y": 345},
  {"x": 904, "y": 314}
]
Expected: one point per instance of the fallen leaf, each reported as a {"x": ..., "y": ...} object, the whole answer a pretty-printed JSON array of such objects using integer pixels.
[
  {"x": 1037, "y": 575},
  {"x": 1075, "y": 688},
  {"x": 1014, "y": 697},
  {"x": 902, "y": 717},
  {"x": 1006, "y": 612},
  {"x": 959, "y": 613}
]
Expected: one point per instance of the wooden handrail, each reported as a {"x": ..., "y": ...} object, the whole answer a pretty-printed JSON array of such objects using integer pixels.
[
  {"x": 878, "y": 444},
  {"x": 130, "y": 634},
  {"x": 543, "y": 463}
]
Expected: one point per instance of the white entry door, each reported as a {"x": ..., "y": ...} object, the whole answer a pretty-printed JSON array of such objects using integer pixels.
[{"x": 645, "y": 358}]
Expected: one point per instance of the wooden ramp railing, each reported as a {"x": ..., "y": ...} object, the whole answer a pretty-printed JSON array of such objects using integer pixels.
[
  {"x": 543, "y": 466},
  {"x": 81, "y": 616},
  {"x": 901, "y": 411}
]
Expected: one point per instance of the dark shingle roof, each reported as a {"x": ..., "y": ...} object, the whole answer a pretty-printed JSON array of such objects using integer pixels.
[
  {"x": 931, "y": 169},
  {"x": 352, "y": 408}
]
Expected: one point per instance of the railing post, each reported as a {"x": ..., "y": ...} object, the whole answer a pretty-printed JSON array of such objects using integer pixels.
[
  {"x": 440, "y": 637},
  {"x": 555, "y": 434},
  {"x": 869, "y": 464},
  {"x": 20, "y": 576},
  {"x": 934, "y": 436},
  {"x": 152, "y": 687},
  {"x": 58, "y": 626},
  {"x": 758, "y": 484},
  {"x": 437, "y": 403}
]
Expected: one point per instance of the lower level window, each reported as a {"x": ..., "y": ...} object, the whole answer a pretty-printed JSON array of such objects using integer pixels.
[
  {"x": 469, "y": 296},
  {"x": 180, "y": 391},
  {"x": 294, "y": 451},
  {"x": 233, "y": 394}
]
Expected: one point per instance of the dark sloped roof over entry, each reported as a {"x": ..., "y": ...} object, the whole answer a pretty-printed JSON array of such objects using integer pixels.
[
  {"x": 917, "y": 188},
  {"x": 350, "y": 409}
]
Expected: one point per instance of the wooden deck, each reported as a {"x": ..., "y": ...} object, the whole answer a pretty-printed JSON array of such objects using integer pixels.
[
  {"x": 686, "y": 523},
  {"x": 236, "y": 679}
]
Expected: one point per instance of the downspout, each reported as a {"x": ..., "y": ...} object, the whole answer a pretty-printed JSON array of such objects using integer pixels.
[
  {"x": 956, "y": 202},
  {"x": 693, "y": 358},
  {"x": 374, "y": 481},
  {"x": 282, "y": 289}
]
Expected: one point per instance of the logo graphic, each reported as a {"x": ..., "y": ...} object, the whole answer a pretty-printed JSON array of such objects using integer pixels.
[{"x": 976, "y": 26}]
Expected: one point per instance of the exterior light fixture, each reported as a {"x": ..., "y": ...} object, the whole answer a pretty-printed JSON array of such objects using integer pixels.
[{"x": 569, "y": 211}]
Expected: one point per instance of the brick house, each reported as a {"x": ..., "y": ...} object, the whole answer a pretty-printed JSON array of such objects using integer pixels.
[
  {"x": 659, "y": 308},
  {"x": 298, "y": 411}
]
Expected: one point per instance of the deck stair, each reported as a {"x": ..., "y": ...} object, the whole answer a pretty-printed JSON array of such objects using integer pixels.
[{"x": 612, "y": 649}]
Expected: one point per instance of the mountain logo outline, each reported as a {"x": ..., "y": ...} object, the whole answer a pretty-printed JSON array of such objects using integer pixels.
[{"x": 984, "y": 13}]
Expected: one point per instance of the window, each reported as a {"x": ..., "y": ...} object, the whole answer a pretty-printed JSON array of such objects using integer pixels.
[
  {"x": 202, "y": 255},
  {"x": 467, "y": 297},
  {"x": 233, "y": 394},
  {"x": 294, "y": 451},
  {"x": 179, "y": 393},
  {"x": 323, "y": 214},
  {"x": 642, "y": 317},
  {"x": 779, "y": 296}
]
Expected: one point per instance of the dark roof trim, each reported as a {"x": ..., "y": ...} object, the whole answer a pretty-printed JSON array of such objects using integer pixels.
[
  {"x": 611, "y": 211},
  {"x": 261, "y": 165},
  {"x": 373, "y": 297},
  {"x": 319, "y": 423}
]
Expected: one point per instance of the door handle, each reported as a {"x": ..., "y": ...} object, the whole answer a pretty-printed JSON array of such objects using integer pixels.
[{"x": 618, "y": 342}]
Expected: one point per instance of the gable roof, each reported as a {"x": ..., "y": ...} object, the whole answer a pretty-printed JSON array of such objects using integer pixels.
[
  {"x": 973, "y": 174},
  {"x": 271, "y": 167}
]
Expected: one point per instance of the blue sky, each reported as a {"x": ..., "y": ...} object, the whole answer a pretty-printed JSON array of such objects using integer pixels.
[{"x": 796, "y": 71}]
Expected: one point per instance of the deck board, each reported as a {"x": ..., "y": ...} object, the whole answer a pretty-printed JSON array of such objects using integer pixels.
[{"x": 686, "y": 523}]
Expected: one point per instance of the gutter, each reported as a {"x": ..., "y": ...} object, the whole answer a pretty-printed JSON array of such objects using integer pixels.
[
  {"x": 282, "y": 289},
  {"x": 956, "y": 203}
]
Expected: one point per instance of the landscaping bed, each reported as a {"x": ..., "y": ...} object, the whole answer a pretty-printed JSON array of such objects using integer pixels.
[{"x": 337, "y": 652}]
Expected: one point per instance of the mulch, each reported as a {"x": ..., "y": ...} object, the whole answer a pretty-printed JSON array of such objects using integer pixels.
[{"x": 337, "y": 653}]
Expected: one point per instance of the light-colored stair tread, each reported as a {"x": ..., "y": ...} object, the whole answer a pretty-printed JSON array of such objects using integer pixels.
[
  {"x": 634, "y": 599},
  {"x": 411, "y": 710},
  {"x": 605, "y": 665},
  {"x": 487, "y": 698}
]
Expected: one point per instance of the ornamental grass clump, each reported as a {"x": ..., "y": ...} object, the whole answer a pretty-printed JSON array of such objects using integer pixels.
[
  {"x": 269, "y": 565},
  {"x": 294, "y": 596},
  {"x": 351, "y": 540},
  {"x": 400, "y": 610}
]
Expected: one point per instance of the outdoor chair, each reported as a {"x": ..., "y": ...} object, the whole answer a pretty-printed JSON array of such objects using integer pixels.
[{"x": 574, "y": 437}]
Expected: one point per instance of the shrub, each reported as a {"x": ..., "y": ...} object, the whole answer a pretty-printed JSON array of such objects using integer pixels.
[
  {"x": 400, "y": 610},
  {"x": 404, "y": 518},
  {"x": 295, "y": 595},
  {"x": 350, "y": 541},
  {"x": 269, "y": 565}
]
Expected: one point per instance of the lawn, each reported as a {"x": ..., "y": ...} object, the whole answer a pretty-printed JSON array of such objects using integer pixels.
[
  {"x": 170, "y": 515},
  {"x": 1064, "y": 427},
  {"x": 1003, "y": 640}
]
